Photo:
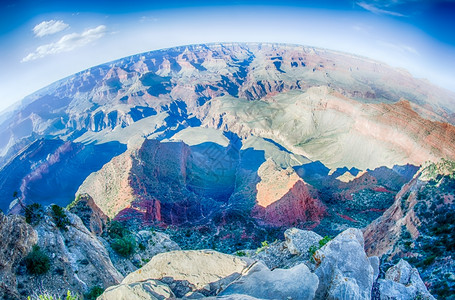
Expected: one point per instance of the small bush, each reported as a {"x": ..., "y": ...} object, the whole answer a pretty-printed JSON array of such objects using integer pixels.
[
  {"x": 117, "y": 230},
  {"x": 240, "y": 253},
  {"x": 264, "y": 245},
  {"x": 124, "y": 246},
  {"x": 60, "y": 217},
  {"x": 94, "y": 293},
  {"x": 142, "y": 247},
  {"x": 37, "y": 262},
  {"x": 47, "y": 296},
  {"x": 312, "y": 250},
  {"x": 324, "y": 241},
  {"x": 429, "y": 260},
  {"x": 33, "y": 213}
]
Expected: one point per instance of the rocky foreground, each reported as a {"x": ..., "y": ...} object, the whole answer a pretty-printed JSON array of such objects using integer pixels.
[{"x": 303, "y": 266}]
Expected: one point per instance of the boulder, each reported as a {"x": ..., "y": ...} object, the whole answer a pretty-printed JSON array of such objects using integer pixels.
[
  {"x": 402, "y": 281},
  {"x": 205, "y": 271},
  {"x": 299, "y": 241},
  {"x": 343, "y": 268},
  {"x": 144, "y": 290},
  {"x": 260, "y": 282}
]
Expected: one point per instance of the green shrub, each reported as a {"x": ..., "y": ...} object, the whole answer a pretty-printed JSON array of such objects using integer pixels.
[
  {"x": 33, "y": 213},
  {"x": 429, "y": 260},
  {"x": 264, "y": 245},
  {"x": 60, "y": 217},
  {"x": 94, "y": 293},
  {"x": 37, "y": 262},
  {"x": 324, "y": 241},
  {"x": 312, "y": 250},
  {"x": 240, "y": 253},
  {"x": 117, "y": 230},
  {"x": 47, "y": 296},
  {"x": 74, "y": 203},
  {"x": 124, "y": 246}
]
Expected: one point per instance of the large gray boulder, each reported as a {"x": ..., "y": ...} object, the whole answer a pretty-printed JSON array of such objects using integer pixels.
[
  {"x": 144, "y": 290},
  {"x": 401, "y": 282},
  {"x": 203, "y": 271},
  {"x": 260, "y": 282},
  {"x": 299, "y": 241},
  {"x": 343, "y": 268}
]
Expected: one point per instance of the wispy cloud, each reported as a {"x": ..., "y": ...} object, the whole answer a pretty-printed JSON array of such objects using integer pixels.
[
  {"x": 144, "y": 19},
  {"x": 399, "y": 47},
  {"x": 67, "y": 43},
  {"x": 49, "y": 27},
  {"x": 378, "y": 10}
]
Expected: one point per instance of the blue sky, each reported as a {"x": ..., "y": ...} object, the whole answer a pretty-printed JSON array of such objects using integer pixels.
[{"x": 43, "y": 41}]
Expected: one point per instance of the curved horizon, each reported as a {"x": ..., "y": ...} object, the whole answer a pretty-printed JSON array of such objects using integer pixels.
[{"x": 45, "y": 43}]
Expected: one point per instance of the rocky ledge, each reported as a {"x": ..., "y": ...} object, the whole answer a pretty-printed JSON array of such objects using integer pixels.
[
  {"x": 303, "y": 266},
  {"x": 307, "y": 269}
]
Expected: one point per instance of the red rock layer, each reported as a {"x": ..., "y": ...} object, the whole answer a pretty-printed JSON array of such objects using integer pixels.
[{"x": 295, "y": 207}]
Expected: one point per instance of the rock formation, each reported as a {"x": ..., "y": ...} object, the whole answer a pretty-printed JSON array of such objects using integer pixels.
[
  {"x": 343, "y": 268},
  {"x": 17, "y": 239},
  {"x": 403, "y": 282},
  {"x": 226, "y": 145},
  {"x": 419, "y": 227},
  {"x": 342, "y": 271},
  {"x": 342, "y": 110},
  {"x": 91, "y": 215}
]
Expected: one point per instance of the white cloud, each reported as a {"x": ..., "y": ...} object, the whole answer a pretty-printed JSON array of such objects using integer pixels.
[
  {"x": 67, "y": 43},
  {"x": 49, "y": 27},
  {"x": 377, "y": 10}
]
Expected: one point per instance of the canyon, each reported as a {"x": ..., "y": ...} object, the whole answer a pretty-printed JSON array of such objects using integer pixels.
[{"x": 224, "y": 146}]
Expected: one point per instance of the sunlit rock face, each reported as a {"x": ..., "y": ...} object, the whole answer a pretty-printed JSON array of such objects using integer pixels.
[{"x": 177, "y": 135}]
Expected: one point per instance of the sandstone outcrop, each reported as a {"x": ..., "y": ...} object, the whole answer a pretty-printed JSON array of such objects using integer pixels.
[
  {"x": 419, "y": 227},
  {"x": 203, "y": 271},
  {"x": 147, "y": 289},
  {"x": 284, "y": 199}
]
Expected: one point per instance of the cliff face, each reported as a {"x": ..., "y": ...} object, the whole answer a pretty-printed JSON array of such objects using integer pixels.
[
  {"x": 49, "y": 171},
  {"x": 419, "y": 226},
  {"x": 16, "y": 240},
  {"x": 78, "y": 260},
  {"x": 119, "y": 94},
  {"x": 283, "y": 198},
  {"x": 150, "y": 184},
  {"x": 311, "y": 104}
]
